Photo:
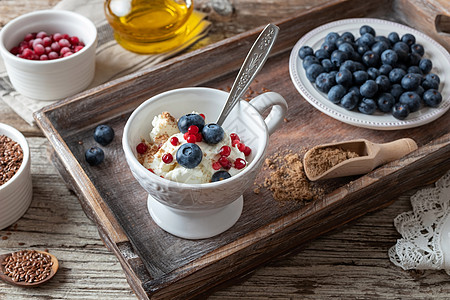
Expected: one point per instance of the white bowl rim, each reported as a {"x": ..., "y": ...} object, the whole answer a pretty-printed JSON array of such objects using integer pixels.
[
  {"x": 25, "y": 150},
  {"x": 49, "y": 12},
  {"x": 129, "y": 153}
]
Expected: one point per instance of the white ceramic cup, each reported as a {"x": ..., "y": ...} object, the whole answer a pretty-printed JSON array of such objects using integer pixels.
[
  {"x": 50, "y": 79},
  {"x": 16, "y": 193},
  {"x": 197, "y": 211}
]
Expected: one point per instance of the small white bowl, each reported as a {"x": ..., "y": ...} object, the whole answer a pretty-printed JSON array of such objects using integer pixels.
[
  {"x": 50, "y": 79},
  {"x": 196, "y": 211},
  {"x": 16, "y": 193}
]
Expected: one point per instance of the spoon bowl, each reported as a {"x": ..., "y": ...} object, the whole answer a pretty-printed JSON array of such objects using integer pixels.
[
  {"x": 370, "y": 156},
  {"x": 6, "y": 278}
]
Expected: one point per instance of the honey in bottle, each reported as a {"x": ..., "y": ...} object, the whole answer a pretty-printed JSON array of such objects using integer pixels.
[{"x": 148, "y": 26}]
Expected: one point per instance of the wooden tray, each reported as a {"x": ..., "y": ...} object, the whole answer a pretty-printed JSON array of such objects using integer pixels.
[{"x": 159, "y": 265}]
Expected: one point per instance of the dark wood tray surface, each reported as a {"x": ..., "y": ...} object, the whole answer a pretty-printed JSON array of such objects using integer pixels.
[{"x": 159, "y": 265}]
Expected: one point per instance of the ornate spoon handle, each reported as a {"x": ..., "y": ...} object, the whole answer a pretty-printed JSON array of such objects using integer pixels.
[{"x": 254, "y": 61}]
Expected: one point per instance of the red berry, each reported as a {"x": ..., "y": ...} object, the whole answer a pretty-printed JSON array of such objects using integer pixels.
[
  {"x": 78, "y": 48},
  {"x": 247, "y": 151},
  {"x": 191, "y": 138},
  {"x": 225, "y": 151},
  {"x": 174, "y": 141},
  {"x": 43, "y": 57},
  {"x": 234, "y": 136},
  {"x": 193, "y": 129},
  {"x": 203, "y": 116},
  {"x": 15, "y": 50},
  {"x": 39, "y": 49},
  {"x": 57, "y": 37},
  {"x": 53, "y": 55},
  {"x": 185, "y": 135},
  {"x": 141, "y": 148},
  {"x": 224, "y": 162},
  {"x": 38, "y": 41},
  {"x": 64, "y": 43},
  {"x": 216, "y": 166},
  {"x": 241, "y": 147},
  {"x": 41, "y": 35},
  {"x": 67, "y": 54},
  {"x": 47, "y": 41},
  {"x": 74, "y": 40},
  {"x": 235, "y": 142},
  {"x": 28, "y": 37},
  {"x": 167, "y": 158},
  {"x": 64, "y": 50},
  {"x": 27, "y": 53},
  {"x": 55, "y": 47},
  {"x": 199, "y": 137},
  {"x": 239, "y": 163}
]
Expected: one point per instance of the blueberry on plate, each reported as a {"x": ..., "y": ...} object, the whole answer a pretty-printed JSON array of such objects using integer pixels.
[
  {"x": 366, "y": 29},
  {"x": 432, "y": 98},
  {"x": 411, "y": 81},
  {"x": 350, "y": 100},
  {"x": 432, "y": 76},
  {"x": 396, "y": 91},
  {"x": 400, "y": 111},
  {"x": 380, "y": 47},
  {"x": 322, "y": 54},
  {"x": 385, "y": 69},
  {"x": 384, "y": 85},
  {"x": 366, "y": 40},
  {"x": 329, "y": 47},
  {"x": 359, "y": 77},
  {"x": 349, "y": 65},
  {"x": 305, "y": 51},
  {"x": 385, "y": 102},
  {"x": 368, "y": 89},
  {"x": 389, "y": 57},
  {"x": 313, "y": 71},
  {"x": 409, "y": 39},
  {"x": 327, "y": 65},
  {"x": 94, "y": 156},
  {"x": 428, "y": 84},
  {"x": 425, "y": 65},
  {"x": 370, "y": 58},
  {"x": 336, "y": 93},
  {"x": 324, "y": 82},
  {"x": 393, "y": 37},
  {"x": 396, "y": 75},
  {"x": 348, "y": 37},
  {"x": 418, "y": 48},
  {"x": 361, "y": 49},
  {"x": 212, "y": 133},
  {"x": 346, "y": 47},
  {"x": 367, "y": 106},
  {"x": 415, "y": 70},
  {"x": 338, "y": 57},
  {"x": 344, "y": 77},
  {"x": 220, "y": 175},
  {"x": 373, "y": 73},
  {"x": 189, "y": 155},
  {"x": 190, "y": 119},
  {"x": 412, "y": 99},
  {"x": 402, "y": 50},
  {"x": 309, "y": 60},
  {"x": 414, "y": 59},
  {"x": 103, "y": 134},
  {"x": 332, "y": 37},
  {"x": 420, "y": 90}
]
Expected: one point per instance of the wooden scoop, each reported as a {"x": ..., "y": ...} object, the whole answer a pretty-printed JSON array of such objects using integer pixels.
[
  {"x": 10, "y": 280},
  {"x": 371, "y": 155}
]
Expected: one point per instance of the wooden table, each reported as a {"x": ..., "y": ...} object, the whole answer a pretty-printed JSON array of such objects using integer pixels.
[{"x": 348, "y": 263}]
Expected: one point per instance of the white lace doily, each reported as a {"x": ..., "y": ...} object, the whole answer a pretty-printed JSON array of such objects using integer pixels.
[{"x": 425, "y": 230}]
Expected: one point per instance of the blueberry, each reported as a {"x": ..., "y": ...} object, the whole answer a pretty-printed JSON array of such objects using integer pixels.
[
  {"x": 382, "y": 38},
  {"x": 385, "y": 102},
  {"x": 373, "y": 73},
  {"x": 350, "y": 100},
  {"x": 212, "y": 133},
  {"x": 349, "y": 65},
  {"x": 425, "y": 65},
  {"x": 190, "y": 119},
  {"x": 344, "y": 77},
  {"x": 94, "y": 156},
  {"x": 324, "y": 82},
  {"x": 103, "y": 134},
  {"x": 411, "y": 81},
  {"x": 430, "y": 84},
  {"x": 370, "y": 59},
  {"x": 385, "y": 69},
  {"x": 313, "y": 71},
  {"x": 359, "y": 66},
  {"x": 332, "y": 37},
  {"x": 402, "y": 50},
  {"x": 355, "y": 89},
  {"x": 432, "y": 98},
  {"x": 415, "y": 70},
  {"x": 380, "y": 47},
  {"x": 189, "y": 155},
  {"x": 336, "y": 93},
  {"x": 432, "y": 76},
  {"x": 393, "y": 37},
  {"x": 420, "y": 90},
  {"x": 305, "y": 51},
  {"x": 355, "y": 56},
  {"x": 327, "y": 65},
  {"x": 309, "y": 60},
  {"x": 411, "y": 99},
  {"x": 367, "y": 106},
  {"x": 396, "y": 91},
  {"x": 359, "y": 77},
  {"x": 396, "y": 75},
  {"x": 329, "y": 47},
  {"x": 348, "y": 37},
  {"x": 400, "y": 111},
  {"x": 368, "y": 89},
  {"x": 366, "y": 40},
  {"x": 384, "y": 85},
  {"x": 338, "y": 57},
  {"x": 389, "y": 57},
  {"x": 409, "y": 39},
  {"x": 418, "y": 48},
  {"x": 322, "y": 54},
  {"x": 366, "y": 29},
  {"x": 347, "y": 48},
  {"x": 220, "y": 175},
  {"x": 414, "y": 59},
  {"x": 361, "y": 49}
]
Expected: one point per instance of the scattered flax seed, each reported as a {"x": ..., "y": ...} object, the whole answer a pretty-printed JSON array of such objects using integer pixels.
[
  {"x": 322, "y": 159},
  {"x": 4, "y": 237},
  {"x": 285, "y": 120},
  {"x": 27, "y": 266},
  {"x": 287, "y": 179}
]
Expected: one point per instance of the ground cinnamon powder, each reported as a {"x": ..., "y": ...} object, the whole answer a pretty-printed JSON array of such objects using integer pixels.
[
  {"x": 322, "y": 159},
  {"x": 287, "y": 179}
]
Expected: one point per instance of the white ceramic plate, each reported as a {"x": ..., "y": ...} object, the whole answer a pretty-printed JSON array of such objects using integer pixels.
[{"x": 434, "y": 51}]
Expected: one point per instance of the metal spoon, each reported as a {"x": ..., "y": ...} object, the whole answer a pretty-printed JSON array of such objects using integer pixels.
[
  {"x": 10, "y": 280},
  {"x": 254, "y": 61},
  {"x": 371, "y": 155}
]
